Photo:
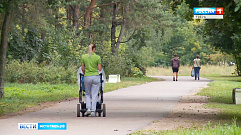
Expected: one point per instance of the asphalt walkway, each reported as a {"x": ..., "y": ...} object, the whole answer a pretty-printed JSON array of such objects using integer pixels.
[{"x": 128, "y": 110}]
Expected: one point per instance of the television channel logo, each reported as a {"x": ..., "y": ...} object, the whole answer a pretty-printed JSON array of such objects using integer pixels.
[
  {"x": 28, "y": 126},
  {"x": 208, "y": 12},
  {"x": 42, "y": 126}
]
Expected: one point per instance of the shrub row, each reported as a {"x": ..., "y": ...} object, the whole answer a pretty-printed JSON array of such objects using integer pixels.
[{"x": 31, "y": 72}]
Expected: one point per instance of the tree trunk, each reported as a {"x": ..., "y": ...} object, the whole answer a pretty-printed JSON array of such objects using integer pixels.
[
  {"x": 3, "y": 49},
  {"x": 113, "y": 29},
  {"x": 91, "y": 22},
  {"x": 102, "y": 16},
  {"x": 68, "y": 12},
  {"x": 237, "y": 64},
  {"x": 89, "y": 10},
  {"x": 56, "y": 13},
  {"x": 121, "y": 31},
  {"x": 76, "y": 17},
  {"x": 23, "y": 18},
  {"x": 87, "y": 13},
  {"x": 121, "y": 35}
]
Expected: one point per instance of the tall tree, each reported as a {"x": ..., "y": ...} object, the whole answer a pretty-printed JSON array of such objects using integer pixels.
[
  {"x": 225, "y": 34},
  {"x": 8, "y": 11},
  {"x": 76, "y": 16},
  {"x": 88, "y": 12},
  {"x": 113, "y": 28},
  {"x": 115, "y": 42},
  {"x": 12, "y": 12}
]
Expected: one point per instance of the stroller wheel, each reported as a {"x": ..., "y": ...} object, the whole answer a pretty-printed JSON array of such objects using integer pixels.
[
  {"x": 104, "y": 110},
  {"x": 78, "y": 110},
  {"x": 99, "y": 114},
  {"x": 83, "y": 105}
]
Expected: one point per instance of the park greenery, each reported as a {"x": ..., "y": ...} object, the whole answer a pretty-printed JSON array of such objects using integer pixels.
[
  {"x": 51, "y": 35},
  {"x": 42, "y": 42}
]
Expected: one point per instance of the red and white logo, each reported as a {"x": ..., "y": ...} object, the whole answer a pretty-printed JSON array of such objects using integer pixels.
[{"x": 219, "y": 11}]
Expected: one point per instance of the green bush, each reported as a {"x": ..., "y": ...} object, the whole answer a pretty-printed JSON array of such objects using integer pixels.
[
  {"x": 31, "y": 72},
  {"x": 136, "y": 72},
  {"x": 116, "y": 64}
]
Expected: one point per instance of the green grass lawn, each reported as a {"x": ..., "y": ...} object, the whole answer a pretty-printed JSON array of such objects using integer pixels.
[
  {"x": 220, "y": 93},
  {"x": 22, "y": 96},
  {"x": 209, "y": 129}
]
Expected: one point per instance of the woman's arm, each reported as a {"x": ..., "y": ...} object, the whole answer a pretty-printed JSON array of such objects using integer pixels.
[
  {"x": 83, "y": 67},
  {"x": 193, "y": 64},
  {"x": 99, "y": 67}
]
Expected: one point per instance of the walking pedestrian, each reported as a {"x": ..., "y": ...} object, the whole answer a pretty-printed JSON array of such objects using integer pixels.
[
  {"x": 197, "y": 67},
  {"x": 175, "y": 63},
  {"x": 90, "y": 63}
]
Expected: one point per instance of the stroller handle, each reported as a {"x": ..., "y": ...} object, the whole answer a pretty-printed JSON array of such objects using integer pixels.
[
  {"x": 100, "y": 77},
  {"x": 101, "y": 89},
  {"x": 80, "y": 89}
]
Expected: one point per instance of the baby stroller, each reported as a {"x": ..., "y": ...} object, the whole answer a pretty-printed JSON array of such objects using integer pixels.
[{"x": 100, "y": 106}]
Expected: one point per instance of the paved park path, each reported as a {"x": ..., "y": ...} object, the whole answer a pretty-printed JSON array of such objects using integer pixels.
[{"x": 128, "y": 110}]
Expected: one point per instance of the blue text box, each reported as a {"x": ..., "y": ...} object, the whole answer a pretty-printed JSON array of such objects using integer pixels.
[
  {"x": 204, "y": 11},
  {"x": 52, "y": 126}
]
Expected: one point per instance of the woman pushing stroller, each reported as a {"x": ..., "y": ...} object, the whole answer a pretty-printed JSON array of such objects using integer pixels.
[{"x": 89, "y": 62}]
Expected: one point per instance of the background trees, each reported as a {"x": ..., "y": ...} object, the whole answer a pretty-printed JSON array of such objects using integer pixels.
[
  {"x": 7, "y": 15},
  {"x": 128, "y": 33},
  {"x": 224, "y": 35}
]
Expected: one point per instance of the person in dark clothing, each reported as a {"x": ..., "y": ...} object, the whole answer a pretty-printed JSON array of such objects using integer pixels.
[{"x": 175, "y": 63}]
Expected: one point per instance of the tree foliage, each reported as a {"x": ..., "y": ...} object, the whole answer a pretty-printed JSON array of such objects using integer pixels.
[
  {"x": 130, "y": 34},
  {"x": 225, "y": 34}
]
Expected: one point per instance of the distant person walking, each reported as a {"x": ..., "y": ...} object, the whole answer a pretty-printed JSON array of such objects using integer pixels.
[
  {"x": 197, "y": 67},
  {"x": 175, "y": 63}
]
